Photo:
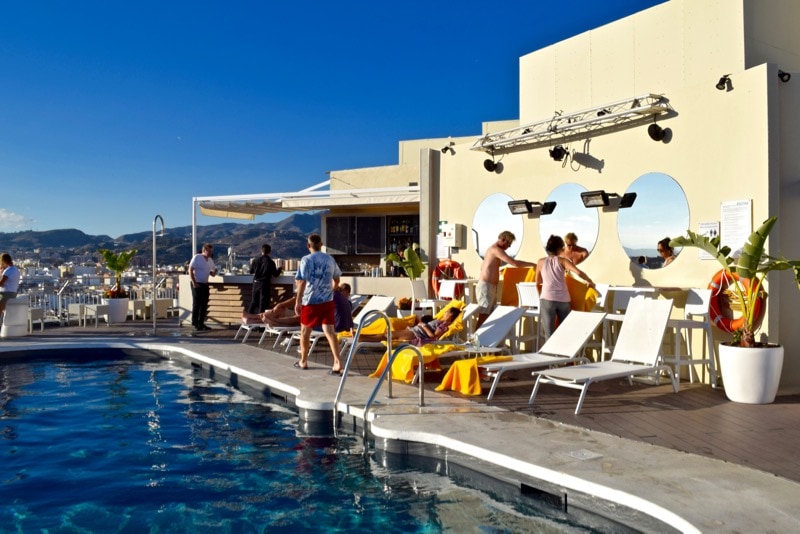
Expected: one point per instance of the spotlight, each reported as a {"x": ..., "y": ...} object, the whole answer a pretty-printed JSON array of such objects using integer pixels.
[
  {"x": 607, "y": 201},
  {"x": 548, "y": 208},
  {"x": 602, "y": 112},
  {"x": 627, "y": 200},
  {"x": 520, "y": 207},
  {"x": 594, "y": 199},
  {"x": 490, "y": 165},
  {"x": 558, "y": 152},
  {"x": 446, "y": 149},
  {"x": 723, "y": 82},
  {"x": 656, "y": 132},
  {"x": 784, "y": 76}
]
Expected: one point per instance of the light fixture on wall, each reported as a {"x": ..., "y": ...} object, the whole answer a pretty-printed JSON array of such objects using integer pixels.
[
  {"x": 490, "y": 165},
  {"x": 723, "y": 82},
  {"x": 784, "y": 76},
  {"x": 531, "y": 209},
  {"x": 607, "y": 201},
  {"x": 519, "y": 207},
  {"x": 448, "y": 148},
  {"x": 558, "y": 152}
]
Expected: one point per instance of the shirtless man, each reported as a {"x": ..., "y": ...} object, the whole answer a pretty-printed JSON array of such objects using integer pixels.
[
  {"x": 571, "y": 249},
  {"x": 486, "y": 289}
]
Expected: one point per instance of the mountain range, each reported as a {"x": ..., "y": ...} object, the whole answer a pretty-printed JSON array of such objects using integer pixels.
[{"x": 286, "y": 237}]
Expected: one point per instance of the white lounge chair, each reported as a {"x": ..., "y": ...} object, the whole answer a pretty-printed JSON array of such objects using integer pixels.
[
  {"x": 562, "y": 348},
  {"x": 636, "y": 352}
]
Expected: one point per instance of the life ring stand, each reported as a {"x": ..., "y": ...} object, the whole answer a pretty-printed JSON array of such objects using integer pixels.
[
  {"x": 448, "y": 270},
  {"x": 719, "y": 284}
]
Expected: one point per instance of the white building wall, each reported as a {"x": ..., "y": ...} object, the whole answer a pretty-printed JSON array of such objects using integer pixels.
[{"x": 725, "y": 145}]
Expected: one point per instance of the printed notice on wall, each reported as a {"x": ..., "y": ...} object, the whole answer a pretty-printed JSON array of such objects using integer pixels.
[
  {"x": 710, "y": 230},
  {"x": 442, "y": 250},
  {"x": 737, "y": 224}
]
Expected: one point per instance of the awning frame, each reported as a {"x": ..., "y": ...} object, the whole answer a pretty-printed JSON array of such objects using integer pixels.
[{"x": 314, "y": 198}]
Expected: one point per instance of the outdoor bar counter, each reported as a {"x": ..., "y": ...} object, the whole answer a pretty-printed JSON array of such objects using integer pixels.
[{"x": 230, "y": 294}]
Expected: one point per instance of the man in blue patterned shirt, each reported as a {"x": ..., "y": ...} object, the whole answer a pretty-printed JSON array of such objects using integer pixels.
[{"x": 317, "y": 278}]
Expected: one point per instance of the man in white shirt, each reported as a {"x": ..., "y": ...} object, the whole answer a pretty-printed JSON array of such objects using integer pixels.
[
  {"x": 200, "y": 268},
  {"x": 9, "y": 280}
]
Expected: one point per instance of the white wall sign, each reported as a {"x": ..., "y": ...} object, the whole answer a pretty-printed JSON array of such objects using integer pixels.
[
  {"x": 737, "y": 223},
  {"x": 710, "y": 230}
]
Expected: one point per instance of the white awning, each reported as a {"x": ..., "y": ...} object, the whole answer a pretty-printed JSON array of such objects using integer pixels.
[{"x": 312, "y": 199}]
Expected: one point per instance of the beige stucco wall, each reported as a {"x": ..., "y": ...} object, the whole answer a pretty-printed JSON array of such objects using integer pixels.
[{"x": 725, "y": 145}]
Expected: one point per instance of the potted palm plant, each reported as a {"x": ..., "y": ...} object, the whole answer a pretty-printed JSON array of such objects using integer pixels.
[
  {"x": 117, "y": 297},
  {"x": 751, "y": 369}
]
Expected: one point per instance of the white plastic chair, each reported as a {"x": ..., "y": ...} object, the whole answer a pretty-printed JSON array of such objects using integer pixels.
[
  {"x": 698, "y": 302},
  {"x": 420, "y": 299},
  {"x": 447, "y": 290},
  {"x": 528, "y": 298}
]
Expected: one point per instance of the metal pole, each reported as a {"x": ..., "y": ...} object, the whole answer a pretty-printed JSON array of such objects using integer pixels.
[{"x": 153, "y": 304}]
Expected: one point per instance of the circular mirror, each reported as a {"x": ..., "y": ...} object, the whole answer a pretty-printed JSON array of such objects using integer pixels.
[
  {"x": 493, "y": 217},
  {"x": 570, "y": 216},
  {"x": 659, "y": 211}
]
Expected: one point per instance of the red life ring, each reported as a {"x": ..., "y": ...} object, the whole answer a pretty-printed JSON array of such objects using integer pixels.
[
  {"x": 725, "y": 321},
  {"x": 448, "y": 270}
]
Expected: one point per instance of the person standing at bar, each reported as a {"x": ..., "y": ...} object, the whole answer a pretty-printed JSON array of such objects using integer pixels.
[
  {"x": 263, "y": 270},
  {"x": 200, "y": 268},
  {"x": 317, "y": 278}
]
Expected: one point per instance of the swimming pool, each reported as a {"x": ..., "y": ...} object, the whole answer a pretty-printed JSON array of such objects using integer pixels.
[{"x": 132, "y": 444}]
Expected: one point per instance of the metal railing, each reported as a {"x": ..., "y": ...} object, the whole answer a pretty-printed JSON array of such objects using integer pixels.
[{"x": 390, "y": 360}]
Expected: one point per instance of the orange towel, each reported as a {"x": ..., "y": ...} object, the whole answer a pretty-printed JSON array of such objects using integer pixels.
[{"x": 463, "y": 375}]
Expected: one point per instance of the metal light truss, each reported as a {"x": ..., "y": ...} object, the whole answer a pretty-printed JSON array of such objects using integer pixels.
[{"x": 561, "y": 129}]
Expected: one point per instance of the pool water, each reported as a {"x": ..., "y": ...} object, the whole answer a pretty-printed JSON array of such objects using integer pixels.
[{"x": 123, "y": 445}]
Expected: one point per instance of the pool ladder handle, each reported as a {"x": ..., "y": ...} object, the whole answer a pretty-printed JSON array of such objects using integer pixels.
[{"x": 386, "y": 370}]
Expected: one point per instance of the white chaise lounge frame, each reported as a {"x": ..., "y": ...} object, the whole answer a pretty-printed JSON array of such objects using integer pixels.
[{"x": 636, "y": 352}]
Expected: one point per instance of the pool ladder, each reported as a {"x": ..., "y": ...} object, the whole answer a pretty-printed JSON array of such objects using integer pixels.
[{"x": 386, "y": 370}]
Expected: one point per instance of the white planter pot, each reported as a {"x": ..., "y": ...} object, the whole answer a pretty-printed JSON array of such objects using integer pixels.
[
  {"x": 751, "y": 375},
  {"x": 117, "y": 310}
]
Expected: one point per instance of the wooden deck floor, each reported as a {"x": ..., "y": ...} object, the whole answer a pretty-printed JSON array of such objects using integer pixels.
[{"x": 697, "y": 420}]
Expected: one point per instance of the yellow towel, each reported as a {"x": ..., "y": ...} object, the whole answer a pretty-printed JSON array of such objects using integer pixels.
[
  {"x": 378, "y": 327},
  {"x": 583, "y": 297},
  {"x": 405, "y": 364},
  {"x": 463, "y": 375}
]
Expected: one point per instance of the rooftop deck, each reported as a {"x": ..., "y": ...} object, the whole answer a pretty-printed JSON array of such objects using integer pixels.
[{"x": 698, "y": 420}]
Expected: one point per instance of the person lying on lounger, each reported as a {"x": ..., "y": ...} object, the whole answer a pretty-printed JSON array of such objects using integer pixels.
[
  {"x": 426, "y": 330},
  {"x": 282, "y": 314}
]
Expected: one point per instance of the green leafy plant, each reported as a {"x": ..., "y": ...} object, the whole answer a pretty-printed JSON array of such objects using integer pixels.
[
  {"x": 753, "y": 264},
  {"x": 118, "y": 263},
  {"x": 409, "y": 261}
]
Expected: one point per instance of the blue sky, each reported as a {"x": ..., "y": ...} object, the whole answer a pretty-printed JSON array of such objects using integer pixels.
[{"x": 113, "y": 112}]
